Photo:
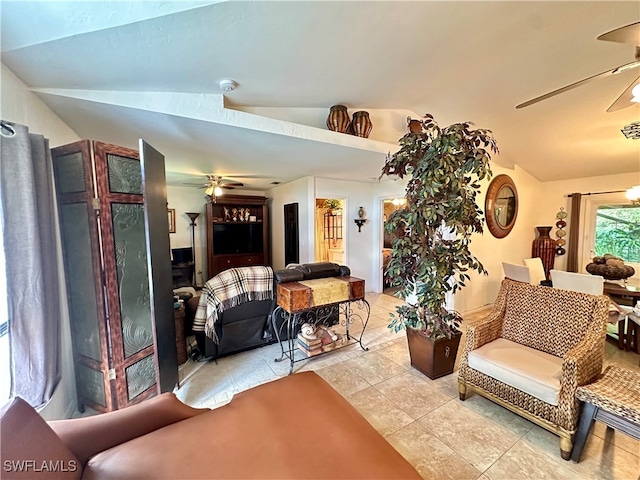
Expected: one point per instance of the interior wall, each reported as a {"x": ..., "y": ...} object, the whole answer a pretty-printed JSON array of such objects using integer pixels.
[
  {"x": 21, "y": 106},
  {"x": 361, "y": 250},
  {"x": 189, "y": 199},
  {"x": 302, "y": 192},
  {"x": 491, "y": 251},
  {"x": 513, "y": 248},
  {"x": 388, "y": 125}
]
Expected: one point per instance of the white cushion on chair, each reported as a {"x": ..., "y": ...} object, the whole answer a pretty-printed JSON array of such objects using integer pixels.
[
  {"x": 536, "y": 270},
  {"x": 519, "y": 273},
  {"x": 532, "y": 371},
  {"x": 578, "y": 282}
]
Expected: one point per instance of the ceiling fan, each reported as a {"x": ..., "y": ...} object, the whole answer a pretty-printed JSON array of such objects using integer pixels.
[
  {"x": 214, "y": 185},
  {"x": 629, "y": 34}
]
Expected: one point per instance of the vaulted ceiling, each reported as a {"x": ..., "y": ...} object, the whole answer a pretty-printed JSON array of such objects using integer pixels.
[{"x": 119, "y": 71}]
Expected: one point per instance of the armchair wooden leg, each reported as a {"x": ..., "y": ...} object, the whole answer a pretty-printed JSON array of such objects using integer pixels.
[
  {"x": 565, "y": 447},
  {"x": 586, "y": 420},
  {"x": 462, "y": 389}
]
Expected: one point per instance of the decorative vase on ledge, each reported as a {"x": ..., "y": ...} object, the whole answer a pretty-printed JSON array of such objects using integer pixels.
[
  {"x": 544, "y": 247},
  {"x": 338, "y": 119},
  {"x": 361, "y": 124}
]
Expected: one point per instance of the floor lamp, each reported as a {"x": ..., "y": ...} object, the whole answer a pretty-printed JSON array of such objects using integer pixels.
[{"x": 193, "y": 216}]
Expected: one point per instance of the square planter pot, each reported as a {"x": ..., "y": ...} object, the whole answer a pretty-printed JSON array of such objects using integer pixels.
[{"x": 434, "y": 358}]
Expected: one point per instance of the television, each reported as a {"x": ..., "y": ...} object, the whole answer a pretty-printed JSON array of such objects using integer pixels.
[
  {"x": 237, "y": 238},
  {"x": 181, "y": 255}
]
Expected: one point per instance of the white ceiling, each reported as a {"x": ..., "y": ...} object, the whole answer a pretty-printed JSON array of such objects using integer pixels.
[{"x": 292, "y": 60}]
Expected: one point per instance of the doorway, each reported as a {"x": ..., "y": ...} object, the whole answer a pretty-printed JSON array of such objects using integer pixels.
[
  {"x": 329, "y": 230},
  {"x": 389, "y": 205},
  {"x": 291, "y": 234}
]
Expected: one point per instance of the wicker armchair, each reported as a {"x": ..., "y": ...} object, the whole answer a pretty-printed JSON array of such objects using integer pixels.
[{"x": 565, "y": 329}]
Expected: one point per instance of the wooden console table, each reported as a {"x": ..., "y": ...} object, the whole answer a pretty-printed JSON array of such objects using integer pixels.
[{"x": 314, "y": 301}]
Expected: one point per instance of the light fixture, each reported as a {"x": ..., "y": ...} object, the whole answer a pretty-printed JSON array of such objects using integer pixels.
[
  {"x": 214, "y": 190},
  {"x": 227, "y": 85},
  {"x": 632, "y": 130},
  {"x": 399, "y": 201},
  {"x": 633, "y": 194}
]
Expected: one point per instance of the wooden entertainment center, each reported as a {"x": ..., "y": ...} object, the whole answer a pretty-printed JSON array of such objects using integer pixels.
[{"x": 237, "y": 233}]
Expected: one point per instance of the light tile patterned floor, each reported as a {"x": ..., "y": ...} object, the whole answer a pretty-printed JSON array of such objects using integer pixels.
[{"x": 423, "y": 419}]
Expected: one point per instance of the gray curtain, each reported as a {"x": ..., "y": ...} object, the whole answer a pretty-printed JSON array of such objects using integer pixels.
[
  {"x": 27, "y": 206},
  {"x": 574, "y": 233}
]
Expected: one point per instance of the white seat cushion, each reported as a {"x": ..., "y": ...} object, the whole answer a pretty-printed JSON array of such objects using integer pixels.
[{"x": 532, "y": 371}]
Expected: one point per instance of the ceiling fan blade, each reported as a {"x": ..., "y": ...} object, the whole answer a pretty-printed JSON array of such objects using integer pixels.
[
  {"x": 231, "y": 176},
  {"x": 200, "y": 185},
  {"x": 231, "y": 185},
  {"x": 579, "y": 83},
  {"x": 628, "y": 34},
  {"x": 624, "y": 100}
]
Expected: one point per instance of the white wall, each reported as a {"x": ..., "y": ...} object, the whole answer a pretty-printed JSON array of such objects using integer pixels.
[
  {"x": 189, "y": 199},
  {"x": 388, "y": 125},
  {"x": 21, "y": 106},
  {"x": 491, "y": 251},
  {"x": 300, "y": 191},
  {"x": 361, "y": 248},
  {"x": 538, "y": 204},
  {"x": 513, "y": 248}
]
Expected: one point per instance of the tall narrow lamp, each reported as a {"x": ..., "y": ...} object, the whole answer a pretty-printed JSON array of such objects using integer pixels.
[{"x": 193, "y": 216}]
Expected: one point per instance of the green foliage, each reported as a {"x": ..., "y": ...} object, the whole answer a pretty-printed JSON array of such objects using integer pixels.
[
  {"x": 430, "y": 253},
  {"x": 618, "y": 232},
  {"x": 332, "y": 204}
]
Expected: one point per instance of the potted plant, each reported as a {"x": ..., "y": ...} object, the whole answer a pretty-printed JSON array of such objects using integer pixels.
[
  {"x": 332, "y": 204},
  {"x": 430, "y": 256}
]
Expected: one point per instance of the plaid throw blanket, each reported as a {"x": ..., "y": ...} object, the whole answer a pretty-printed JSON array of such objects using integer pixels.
[{"x": 228, "y": 289}]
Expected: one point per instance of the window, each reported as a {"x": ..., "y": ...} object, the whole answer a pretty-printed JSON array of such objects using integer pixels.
[
  {"x": 618, "y": 231},
  {"x": 610, "y": 224}
]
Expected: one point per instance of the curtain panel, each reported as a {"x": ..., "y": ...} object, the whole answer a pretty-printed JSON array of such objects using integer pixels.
[
  {"x": 573, "y": 259},
  {"x": 27, "y": 212}
]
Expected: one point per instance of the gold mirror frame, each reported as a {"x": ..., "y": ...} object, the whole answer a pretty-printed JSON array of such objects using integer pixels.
[{"x": 495, "y": 227}]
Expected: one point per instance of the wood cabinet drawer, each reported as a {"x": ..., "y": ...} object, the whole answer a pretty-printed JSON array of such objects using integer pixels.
[{"x": 223, "y": 262}]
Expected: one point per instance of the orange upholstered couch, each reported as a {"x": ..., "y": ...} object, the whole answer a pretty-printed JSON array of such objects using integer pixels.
[{"x": 295, "y": 427}]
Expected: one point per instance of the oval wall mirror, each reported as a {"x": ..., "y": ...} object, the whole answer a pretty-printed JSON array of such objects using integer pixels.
[{"x": 501, "y": 206}]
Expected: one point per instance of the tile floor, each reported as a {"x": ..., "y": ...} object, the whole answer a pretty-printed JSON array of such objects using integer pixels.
[{"x": 442, "y": 437}]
